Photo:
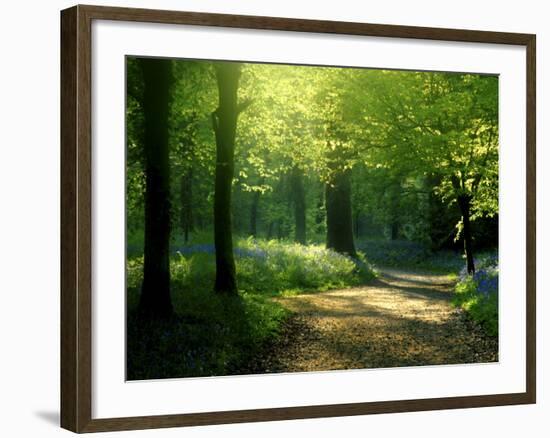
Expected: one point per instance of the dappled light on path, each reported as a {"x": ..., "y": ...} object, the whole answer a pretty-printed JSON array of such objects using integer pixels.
[{"x": 403, "y": 318}]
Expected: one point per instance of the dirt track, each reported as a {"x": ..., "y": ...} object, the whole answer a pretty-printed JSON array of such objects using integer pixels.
[{"x": 403, "y": 318}]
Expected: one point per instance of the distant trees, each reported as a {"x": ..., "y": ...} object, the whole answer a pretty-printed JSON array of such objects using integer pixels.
[
  {"x": 323, "y": 150},
  {"x": 442, "y": 127},
  {"x": 299, "y": 202},
  {"x": 185, "y": 152},
  {"x": 254, "y": 207}
]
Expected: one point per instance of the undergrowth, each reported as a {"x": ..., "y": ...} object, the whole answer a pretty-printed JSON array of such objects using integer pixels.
[
  {"x": 478, "y": 294},
  {"x": 406, "y": 254},
  {"x": 212, "y": 334}
]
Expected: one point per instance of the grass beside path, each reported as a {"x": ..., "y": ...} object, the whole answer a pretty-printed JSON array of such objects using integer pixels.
[
  {"x": 403, "y": 318},
  {"x": 213, "y": 335},
  {"x": 302, "y": 308}
]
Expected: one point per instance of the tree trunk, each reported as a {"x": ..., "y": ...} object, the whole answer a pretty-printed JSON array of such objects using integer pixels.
[
  {"x": 299, "y": 201},
  {"x": 186, "y": 193},
  {"x": 224, "y": 121},
  {"x": 441, "y": 219},
  {"x": 394, "y": 230},
  {"x": 464, "y": 204},
  {"x": 394, "y": 194},
  {"x": 339, "y": 222},
  {"x": 254, "y": 214},
  {"x": 357, "y": 225},
  {"x": 254, "y": 210},
  {"x": 155, "y": 292},
  {"x": 279, "y": 225},
  {"x": 320, "y": 213}
]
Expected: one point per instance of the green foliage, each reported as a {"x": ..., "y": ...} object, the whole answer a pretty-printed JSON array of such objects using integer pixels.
[
  {"x": 210, "y": 334},
  {"x": 402, "y": 253},
  {"x": 414, "y": 140},
  {"x": 274, "y": 267},
  {"x": 478, "y": 294},
  {"x": 214, "y": 334},
  {"x": 411, "y": 141}
]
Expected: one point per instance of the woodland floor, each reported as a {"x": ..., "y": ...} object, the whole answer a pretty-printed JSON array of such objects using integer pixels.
[{"x": 403, "y": 318}]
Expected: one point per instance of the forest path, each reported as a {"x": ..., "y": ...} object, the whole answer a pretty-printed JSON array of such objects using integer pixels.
[{"x": 403, "y": 318}]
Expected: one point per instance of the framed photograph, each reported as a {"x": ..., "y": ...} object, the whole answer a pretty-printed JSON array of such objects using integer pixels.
[{"x": 271, "y": 218}]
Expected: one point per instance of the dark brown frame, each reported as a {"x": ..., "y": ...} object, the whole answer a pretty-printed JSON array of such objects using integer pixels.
[{"x": 76, "y": 237}]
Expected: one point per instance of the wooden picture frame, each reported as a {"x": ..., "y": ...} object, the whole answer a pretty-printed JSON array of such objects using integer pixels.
[{"x": 76, "y": 218}]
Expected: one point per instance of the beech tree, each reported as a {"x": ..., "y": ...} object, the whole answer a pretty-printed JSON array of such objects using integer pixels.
[
  {"x": 324, "y": 154},
  {"x": 443, "y": 127},
  {"x": 155, "y": 298},
  {"x": 224, "y": 122}
]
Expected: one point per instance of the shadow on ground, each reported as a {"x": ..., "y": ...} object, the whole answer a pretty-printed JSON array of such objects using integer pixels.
[{"x": 404, "y": 318}]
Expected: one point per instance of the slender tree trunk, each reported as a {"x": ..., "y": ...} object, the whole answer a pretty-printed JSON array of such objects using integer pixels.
[
  {"x": 299, "y": 201},
  {"x": 394, "y": 192},
  {"x": 320, "y": 214},
  {"x": 198, "y": 221},
  {"x": 224, "y": 121},
  {"x": 254, "y": 214},
  {"x": 394, "y": 230},
  {"x": 441, "y": 219},
  {"x": 254, "y": 210},
  {"x": 434, "y": 212},
  {"x": 339, "y": 222},
  {"x": 356, "y": 227},
  {"x": 186, "y": 193},
  {"x": 155, "y": 292},
  {"x": 280, "y": 234},
  {"x": 464, "y": 204}
]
